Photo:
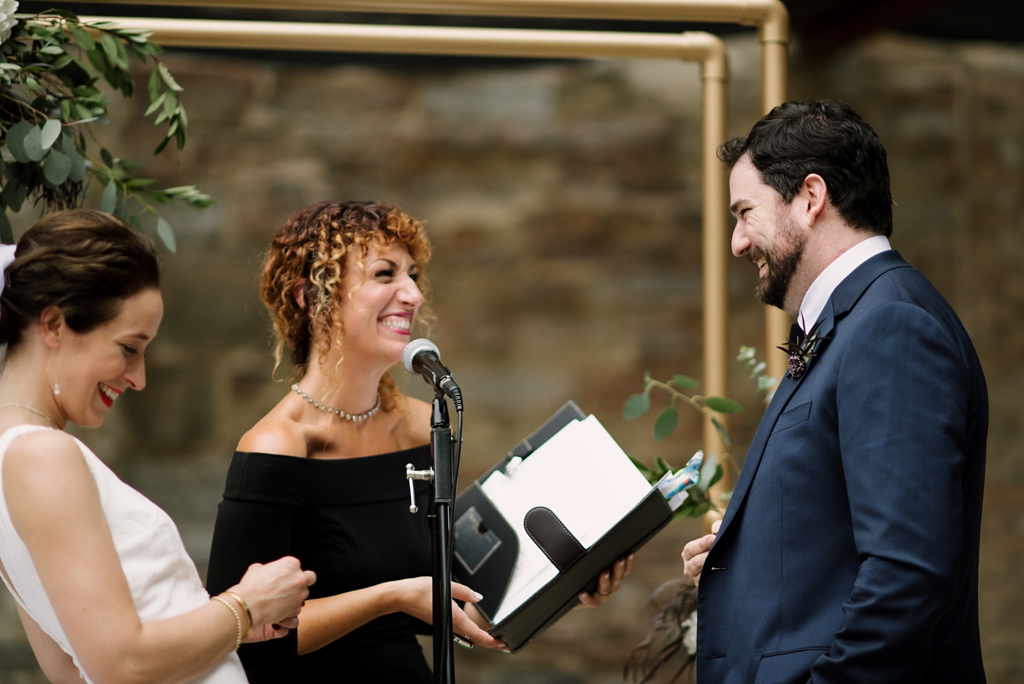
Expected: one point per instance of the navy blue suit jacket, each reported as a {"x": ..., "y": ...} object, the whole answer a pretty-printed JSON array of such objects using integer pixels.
[{"x": 849, "y": 550}]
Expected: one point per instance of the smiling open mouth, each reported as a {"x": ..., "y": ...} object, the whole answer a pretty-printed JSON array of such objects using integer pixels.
[
  {"x": 398, "y": 324},
  {"x": 108, "y": 395}
]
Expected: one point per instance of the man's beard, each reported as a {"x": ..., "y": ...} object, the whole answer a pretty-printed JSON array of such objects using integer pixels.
[{"x": 782, "y": 264}]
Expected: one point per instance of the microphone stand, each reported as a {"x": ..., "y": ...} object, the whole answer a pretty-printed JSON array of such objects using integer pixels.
[{"x": 441, "y": 501}]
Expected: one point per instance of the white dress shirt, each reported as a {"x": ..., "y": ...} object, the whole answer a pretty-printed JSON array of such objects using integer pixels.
[{"x": 828, "y": 280}]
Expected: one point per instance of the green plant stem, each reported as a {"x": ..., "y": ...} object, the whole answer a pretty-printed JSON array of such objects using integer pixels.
[
  {"x": 695, "y": 402},
  {"x": 676, "y": 394}
]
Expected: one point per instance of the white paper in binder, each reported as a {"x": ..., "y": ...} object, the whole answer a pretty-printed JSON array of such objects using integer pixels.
[{"x": 583, "y": 476}]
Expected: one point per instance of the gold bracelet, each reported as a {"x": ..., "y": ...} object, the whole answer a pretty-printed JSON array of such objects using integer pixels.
[
  {"x": 248, "y": 613},
  {"x": 238, "y": 618}
]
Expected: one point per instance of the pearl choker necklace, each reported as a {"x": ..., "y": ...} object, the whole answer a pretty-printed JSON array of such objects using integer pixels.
[{"x": 355, "y": 417}]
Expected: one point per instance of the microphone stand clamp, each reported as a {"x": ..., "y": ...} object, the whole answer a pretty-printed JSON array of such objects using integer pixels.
[{"x": 412, "y": 474}]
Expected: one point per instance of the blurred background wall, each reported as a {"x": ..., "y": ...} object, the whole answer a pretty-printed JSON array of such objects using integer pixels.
[{"x": 563, "y": 201}]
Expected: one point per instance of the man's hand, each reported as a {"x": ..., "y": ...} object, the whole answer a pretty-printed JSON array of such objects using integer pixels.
[{"x": 696, "y": 551}]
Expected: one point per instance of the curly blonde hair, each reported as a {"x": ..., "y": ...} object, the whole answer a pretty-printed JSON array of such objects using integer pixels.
[{"x": 312, "y": 246}]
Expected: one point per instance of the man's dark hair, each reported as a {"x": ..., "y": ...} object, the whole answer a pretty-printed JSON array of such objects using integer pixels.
[{"x": 827, "y": 138}]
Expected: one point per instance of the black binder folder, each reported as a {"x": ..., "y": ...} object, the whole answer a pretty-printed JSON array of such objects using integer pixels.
[{"x": 486, "y": 546}]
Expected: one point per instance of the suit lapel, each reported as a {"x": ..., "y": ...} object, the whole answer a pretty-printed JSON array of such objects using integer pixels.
[
  {"x": 779, "y": 401},
  {"x": 842, "y": 300}
]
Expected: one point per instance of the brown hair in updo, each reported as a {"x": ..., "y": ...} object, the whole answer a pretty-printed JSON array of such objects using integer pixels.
[
  {"x": 85, "y": 262},
  {"x": 313, "y": 245}
]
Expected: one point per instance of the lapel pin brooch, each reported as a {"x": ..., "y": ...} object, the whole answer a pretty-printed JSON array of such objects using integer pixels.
[{"x": 802, "y": 349}]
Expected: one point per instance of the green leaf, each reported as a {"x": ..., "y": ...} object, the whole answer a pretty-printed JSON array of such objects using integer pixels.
[
  {"x": 163, "y": 229},
  {"x": 684, "y": 382},
  {"x": 636, "y": 406},
  {"x": 50, "y": 133},
  {"x": 16, "y": 140},
  {"x": 168, "y": 79},
  {"x": 187, "y": 194},
  {"x": 108, "y": 200},
  {"x": 98, "y": 60},
  {"x": 707, "y": 471},
  {"x": 701, "y": 509},
  {"x": 57, "y": 167},
  {"x": 136, "y": 184},
  {"x": 121, "y": 211},
  {"x": 83, "y": 113},
  {"x": 51, "y": 50},
  {"x": 6, "y": 233},
  {"x": 14, "y": 195},
  {"x": 665, "y": 423},
  {"x": 9, "y": 66},
  {"x": 112, "y": 48},
  {"x": 716, "y": 476},
  {"x": 87, "y": 92},
  {"x": 722, "y": 405},
  {"x": 108, "y": 158},
  {"x": 661, "y": 466},
  {"x": 161, "y": 146},
  {"x": 34, "y": 145},
  {"x": 83, "y": 38},
  {"x": 77, "y": 172},
  {"x": 154, "y": 86},
  {"x": 170, "y": 104},
  {"x": 721, "y": 431},
  {"x": 61, "y": 62}
]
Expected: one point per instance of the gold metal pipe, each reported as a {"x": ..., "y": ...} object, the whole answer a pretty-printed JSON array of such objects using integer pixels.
[
  {"x": 715, "y": 255},
  {"x": 690, "y": 46},
  {"x": 774, "y": 72},
  {"x": 770, "y": 16}
]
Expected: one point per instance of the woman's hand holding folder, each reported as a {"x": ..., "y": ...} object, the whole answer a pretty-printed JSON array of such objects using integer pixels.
[{"x": 608, "y": 583}]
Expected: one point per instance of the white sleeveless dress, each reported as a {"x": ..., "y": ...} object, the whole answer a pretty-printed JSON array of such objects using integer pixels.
[{"x": 163, "y": 579}]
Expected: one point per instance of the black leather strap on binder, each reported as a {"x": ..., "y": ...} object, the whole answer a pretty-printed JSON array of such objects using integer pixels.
[{"x": 553, "y": 538}]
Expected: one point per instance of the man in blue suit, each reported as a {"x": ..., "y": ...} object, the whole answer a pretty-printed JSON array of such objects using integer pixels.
[{"x": 849, "y": 550}]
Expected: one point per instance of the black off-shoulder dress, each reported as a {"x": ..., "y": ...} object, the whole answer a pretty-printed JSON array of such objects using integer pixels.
[{"x": 347, "y": 520}]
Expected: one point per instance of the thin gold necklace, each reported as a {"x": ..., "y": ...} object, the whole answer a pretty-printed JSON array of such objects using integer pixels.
[{"x": 38, "y": 413}]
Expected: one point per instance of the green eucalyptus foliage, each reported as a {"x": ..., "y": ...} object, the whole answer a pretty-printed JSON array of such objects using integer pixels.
[
  {"x": 758, "y": 372},
  {"x": 698, "y": 502},
  {"x": 49, "y": 70},
  {"x": 638, "y": 404}
]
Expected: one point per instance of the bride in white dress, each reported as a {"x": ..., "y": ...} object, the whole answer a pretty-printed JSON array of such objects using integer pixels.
[{"x": 104, "y": 587}]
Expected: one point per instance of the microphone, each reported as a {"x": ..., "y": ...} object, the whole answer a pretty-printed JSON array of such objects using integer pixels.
[{"x": 421, "y": 357}]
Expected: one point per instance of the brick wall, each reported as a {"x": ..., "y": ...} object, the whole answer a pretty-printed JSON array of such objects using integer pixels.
[{"x": 563, "y": 201}]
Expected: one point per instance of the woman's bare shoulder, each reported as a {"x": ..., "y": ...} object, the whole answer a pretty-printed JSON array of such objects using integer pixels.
[
  {"x": 42, "y": 448},
  {"x": 47, "y": 479},
  {"x": 275, "y": 434}
]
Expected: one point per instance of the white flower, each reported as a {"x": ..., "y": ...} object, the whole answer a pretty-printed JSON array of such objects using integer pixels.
[
  {"x": 689, "y": 626},
  {"x": 7, "y": 20}
]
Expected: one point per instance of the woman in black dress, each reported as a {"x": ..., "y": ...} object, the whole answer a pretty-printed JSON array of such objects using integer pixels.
[{"x": 322, "y": 476}]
